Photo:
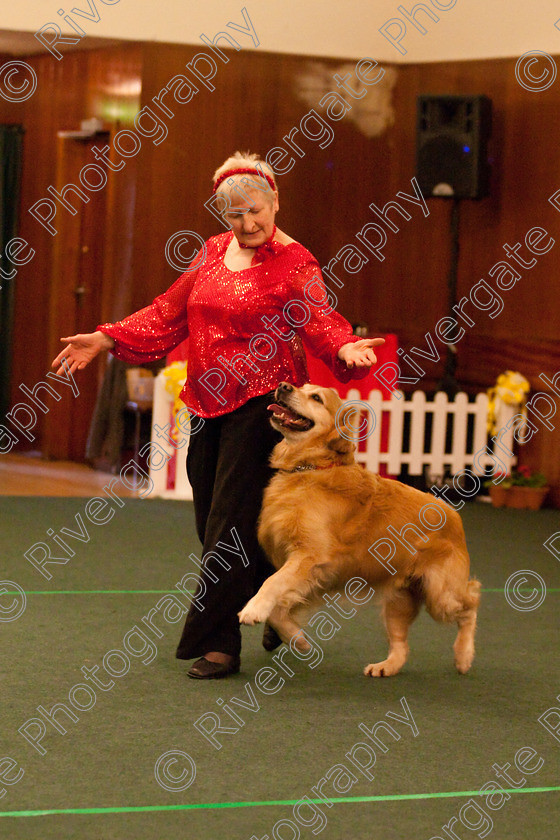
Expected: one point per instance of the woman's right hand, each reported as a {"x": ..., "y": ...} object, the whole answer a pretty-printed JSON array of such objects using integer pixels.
[{"x": 81, "y": 350}]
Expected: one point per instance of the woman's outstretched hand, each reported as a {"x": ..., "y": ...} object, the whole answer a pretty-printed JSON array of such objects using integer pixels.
[
  {"x": 360, "y": 353},
  {"x": 81, "y": 349}
]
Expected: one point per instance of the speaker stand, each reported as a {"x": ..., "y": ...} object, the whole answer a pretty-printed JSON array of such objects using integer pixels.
[{"x": 448, "y": 382}]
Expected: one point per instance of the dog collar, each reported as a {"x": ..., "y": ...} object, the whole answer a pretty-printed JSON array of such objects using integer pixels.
[{"x": 305, "y": 467}]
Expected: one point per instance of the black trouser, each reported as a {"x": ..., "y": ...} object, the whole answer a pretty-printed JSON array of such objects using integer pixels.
[{"x": 227, "y": 466}]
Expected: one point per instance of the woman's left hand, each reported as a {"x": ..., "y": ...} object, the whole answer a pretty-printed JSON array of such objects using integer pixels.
[{"x": 360, "y": 353}]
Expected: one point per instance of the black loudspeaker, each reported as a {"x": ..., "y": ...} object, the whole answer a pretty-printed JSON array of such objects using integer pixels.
[{"x": 451, "y": 139}]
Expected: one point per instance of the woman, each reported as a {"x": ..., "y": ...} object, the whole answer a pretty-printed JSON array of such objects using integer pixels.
[{"x": 245, "y": 307}]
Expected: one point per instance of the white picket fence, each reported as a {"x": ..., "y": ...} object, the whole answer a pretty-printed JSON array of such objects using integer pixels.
[
  {"x": 467, "y": 436},
  {"x": 161, "y": 416},
  {"x": 432, "y": 454}
]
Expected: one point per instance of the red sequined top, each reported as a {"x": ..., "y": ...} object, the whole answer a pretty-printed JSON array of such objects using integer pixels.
[{"x": 246, "y": 327}]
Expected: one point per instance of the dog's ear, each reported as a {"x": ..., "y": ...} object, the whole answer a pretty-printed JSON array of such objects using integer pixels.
[
  {"x": 339, "y": 444},
  {"x": 340, "y": 440}
]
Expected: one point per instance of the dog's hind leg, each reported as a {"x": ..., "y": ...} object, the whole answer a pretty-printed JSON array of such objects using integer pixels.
[
  {"x": 399, "y": 611},
  {"x": 463, "y": 647},
  {"x": 451, "y": 599}
]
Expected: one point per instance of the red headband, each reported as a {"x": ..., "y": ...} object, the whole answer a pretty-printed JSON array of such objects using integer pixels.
[{"x": 252, "y": 171}]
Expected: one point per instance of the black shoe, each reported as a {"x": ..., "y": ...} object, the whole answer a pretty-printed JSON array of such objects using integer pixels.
[
  {"x": 203, "y": 669},
  {"x": 270, "y": 640}
]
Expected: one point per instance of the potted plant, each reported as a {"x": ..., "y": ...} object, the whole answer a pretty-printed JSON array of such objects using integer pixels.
[
  {"x": 521, "y": 489},
  {"x": 528, "y": 489},
  {"x": 497, "y": 492}
]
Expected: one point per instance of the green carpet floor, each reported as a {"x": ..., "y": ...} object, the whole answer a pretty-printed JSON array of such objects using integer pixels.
[{"x": 98, "y": 778}]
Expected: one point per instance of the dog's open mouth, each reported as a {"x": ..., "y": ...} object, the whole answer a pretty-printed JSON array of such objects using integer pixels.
[{"x": 283, "y": 415}]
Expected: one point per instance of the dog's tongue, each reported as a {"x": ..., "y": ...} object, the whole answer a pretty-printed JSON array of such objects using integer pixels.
[
  {"x": 279, "y": 409},
  {"x": 282, "y": 411}
]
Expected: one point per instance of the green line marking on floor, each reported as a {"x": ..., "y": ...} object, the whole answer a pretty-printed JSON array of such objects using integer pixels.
[
  {"x": 104, "y": 592},
  {"x": 172, "y": 591},
  {"x": 199, "y": 806},
  {"x": 522, "y": 589}
]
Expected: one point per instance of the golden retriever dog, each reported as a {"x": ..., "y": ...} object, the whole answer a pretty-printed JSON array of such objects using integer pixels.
[{"x": 326, "y": 520}]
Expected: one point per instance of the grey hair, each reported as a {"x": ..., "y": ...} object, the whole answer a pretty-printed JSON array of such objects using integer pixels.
[{"x": 243, "y": 181}]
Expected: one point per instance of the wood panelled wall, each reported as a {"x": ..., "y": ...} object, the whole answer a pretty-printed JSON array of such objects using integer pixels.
[
  {"x": 526, "y": 172},
  {"x": 324, "y": 201},
  {"x": 68, "y": 91},
  {"x": 253, "y": 107}
]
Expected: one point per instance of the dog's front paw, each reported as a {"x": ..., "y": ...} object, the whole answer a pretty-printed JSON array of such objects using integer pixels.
[
  {"x": 253, "y": 612},
  {"x": 381, "y": 669}
]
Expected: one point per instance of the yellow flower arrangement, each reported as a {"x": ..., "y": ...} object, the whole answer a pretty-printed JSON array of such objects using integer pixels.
[
  {"x": 511, "y": 388},
  {"x": 175, "y": 375}
]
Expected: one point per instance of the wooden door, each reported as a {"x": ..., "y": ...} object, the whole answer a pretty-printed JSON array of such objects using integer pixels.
[{"x": 76, "y": 291}]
